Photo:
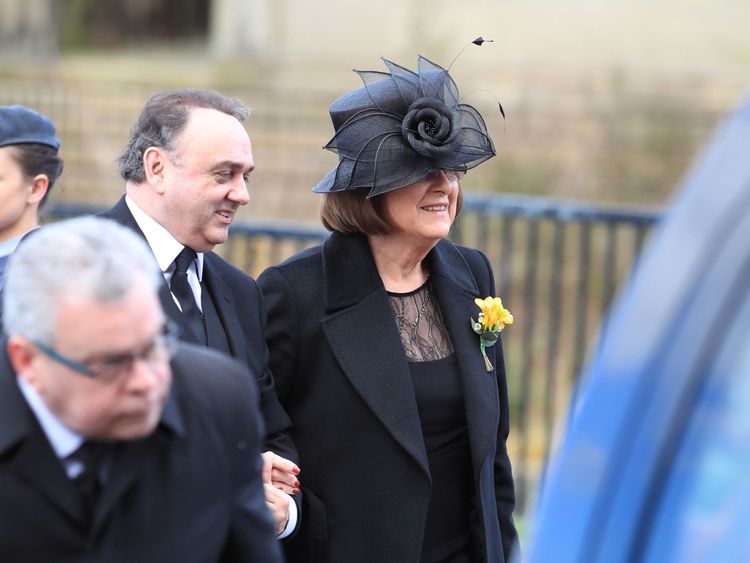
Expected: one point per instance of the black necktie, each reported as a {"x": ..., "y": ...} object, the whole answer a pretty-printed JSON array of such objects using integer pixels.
[
  {"x": 184, "y": 294},
  {"x": 91, "y": 455}
]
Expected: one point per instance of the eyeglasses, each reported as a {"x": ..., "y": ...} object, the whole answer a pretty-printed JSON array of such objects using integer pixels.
[{"x": 106, "y": 370}]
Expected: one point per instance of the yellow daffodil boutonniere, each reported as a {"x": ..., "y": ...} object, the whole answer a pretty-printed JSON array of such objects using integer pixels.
[{"x": 491, "y": 321}]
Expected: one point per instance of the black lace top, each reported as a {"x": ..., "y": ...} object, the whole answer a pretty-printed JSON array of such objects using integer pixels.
[
  {"x": 440, "y": 400},
  {"x": 420, "y": 324}
]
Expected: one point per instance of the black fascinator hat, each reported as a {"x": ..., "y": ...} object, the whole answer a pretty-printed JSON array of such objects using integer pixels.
[{"x": 400, "y": 127}]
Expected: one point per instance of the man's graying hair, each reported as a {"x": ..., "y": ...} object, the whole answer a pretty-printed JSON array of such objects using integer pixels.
[
  {"x": 87, "y": 258},
  {"x": 163, "y": 118}
]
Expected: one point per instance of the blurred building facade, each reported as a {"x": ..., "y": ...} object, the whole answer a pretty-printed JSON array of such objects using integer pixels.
[
  {"x": 604, "y": 103},
  {"x": 27, "y": 29}
]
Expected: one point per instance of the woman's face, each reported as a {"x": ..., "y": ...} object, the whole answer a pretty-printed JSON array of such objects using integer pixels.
[
  {"x": 14, "y": 191},
  {"x": 426, "y": 209}
]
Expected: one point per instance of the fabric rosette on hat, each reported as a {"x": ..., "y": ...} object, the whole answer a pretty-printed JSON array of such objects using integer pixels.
[{"x": 400, "y": 127}]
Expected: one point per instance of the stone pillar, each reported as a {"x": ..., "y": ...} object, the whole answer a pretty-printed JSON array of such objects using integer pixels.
[
  {"x": 242, "y": 27},
  {"x": 27, "y": 29}
]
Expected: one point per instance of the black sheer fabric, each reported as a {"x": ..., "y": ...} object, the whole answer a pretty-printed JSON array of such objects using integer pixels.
[
  {"x": 420, "y": 324},
  {"x": 401, "y": 126}
]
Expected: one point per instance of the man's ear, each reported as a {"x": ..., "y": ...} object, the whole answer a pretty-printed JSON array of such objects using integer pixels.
[
  {"x": 154, "y": 164},
  {"x": 21, "y": 354},
  {"x": 39, "y": 186}
]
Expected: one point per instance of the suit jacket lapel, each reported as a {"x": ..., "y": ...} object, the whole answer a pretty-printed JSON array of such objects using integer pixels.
[
  {"x": 456, "y": 289},
  {"x": 222, "y": 297},
  {"x": 36, "y": 463},
  {"x": 33, "y": 459},
  {"x": 364, "y": 340}
]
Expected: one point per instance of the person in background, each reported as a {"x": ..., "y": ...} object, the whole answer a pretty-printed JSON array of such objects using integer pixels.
[
  {"x": 186, "y": 168},
  {"x": 29, "y": 167},
  {"x": 399, "y": 415},
  {"x": 117, "y": 443}
]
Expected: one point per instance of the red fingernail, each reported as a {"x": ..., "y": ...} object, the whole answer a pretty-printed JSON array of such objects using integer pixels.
[
  {"x": 295, "y": 470},
  {"x": 295, "y": 491},
  {"x": 296, "y": 483}
]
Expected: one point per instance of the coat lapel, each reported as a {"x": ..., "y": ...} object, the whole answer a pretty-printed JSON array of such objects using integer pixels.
[
  {"x": 128, "y": 461},
  {"x": 363, "y": 337},
  {"x": 456, "y": 289},
  {"x": 36, "y": 463},
  {"x": 30, "y": 454},
  {"x": 130, "y": 458}
]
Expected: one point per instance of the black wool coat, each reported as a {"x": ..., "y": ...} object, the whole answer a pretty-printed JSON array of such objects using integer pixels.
[{"x": 342, "y": 375}]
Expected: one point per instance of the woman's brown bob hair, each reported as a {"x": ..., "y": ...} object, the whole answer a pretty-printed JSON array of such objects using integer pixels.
[{"x": 351, "y": 212}]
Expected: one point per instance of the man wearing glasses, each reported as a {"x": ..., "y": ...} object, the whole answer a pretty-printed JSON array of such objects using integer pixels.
[{"x": 116, "y": 443}]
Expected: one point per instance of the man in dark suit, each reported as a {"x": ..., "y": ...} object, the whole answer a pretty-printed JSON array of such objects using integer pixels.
[
  {"x": 186, "y": 167},
  {"x": 109, "y": 451}
]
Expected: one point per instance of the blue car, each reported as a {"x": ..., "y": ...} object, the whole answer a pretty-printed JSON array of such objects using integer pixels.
[{"x": 654, "y": 466}]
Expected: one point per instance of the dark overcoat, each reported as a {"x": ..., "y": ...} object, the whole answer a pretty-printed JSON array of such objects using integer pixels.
[
  {"x": 342, "y": 375},
  {"x": 190, "y": 492}
]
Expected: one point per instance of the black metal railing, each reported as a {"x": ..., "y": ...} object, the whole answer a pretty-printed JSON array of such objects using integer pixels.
[{"x": 557, "y": 266}]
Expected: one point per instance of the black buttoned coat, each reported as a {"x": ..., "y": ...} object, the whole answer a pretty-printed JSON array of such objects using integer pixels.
[
  {"x": 190, "y": 492},
  {"x": 342, "y": 375}
]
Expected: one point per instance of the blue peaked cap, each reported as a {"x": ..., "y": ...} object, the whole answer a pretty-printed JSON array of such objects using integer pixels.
[{"x": 21, "y": 125}]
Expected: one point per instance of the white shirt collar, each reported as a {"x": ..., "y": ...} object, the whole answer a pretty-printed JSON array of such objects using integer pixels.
[
  {"x": 64, "y": 441},
  {"x": 164, "y": 246}
]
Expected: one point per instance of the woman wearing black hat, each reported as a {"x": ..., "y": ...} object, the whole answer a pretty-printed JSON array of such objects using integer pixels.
[
  {"x": 29, "y": 166},
  {"x": 399, "y": 405}
]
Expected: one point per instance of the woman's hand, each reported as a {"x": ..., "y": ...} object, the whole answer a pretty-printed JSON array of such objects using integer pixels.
[{"x": 280, "y": 472}]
